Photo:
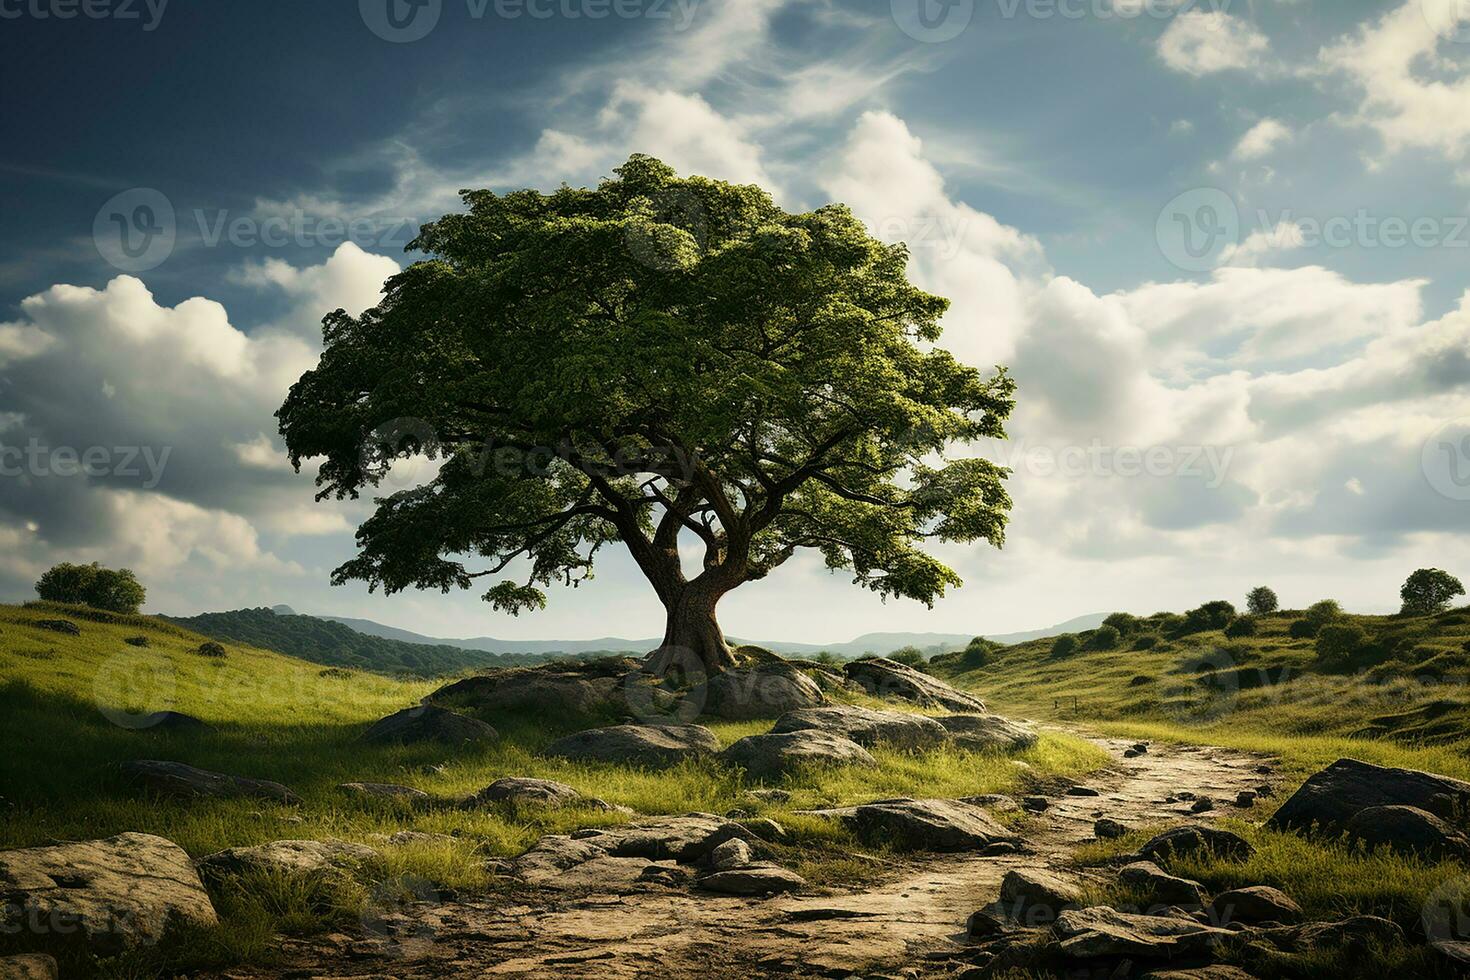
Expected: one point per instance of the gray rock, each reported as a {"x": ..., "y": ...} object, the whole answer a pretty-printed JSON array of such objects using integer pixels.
[
  {"x": 1361, "y": 932},
  {"x": 1187, "y": 840},
  {"x": 1330, "y": 798},
  {"x": 551, "y": 856},
  {"x": 1245, "y": 799},
  {"x": 100, "y": 897},
  {"x": 177, "y": 779},
  {"x": 1103, "y": 932},
  {"x": 1082, "y": 791},
  {"x": 924, "y": 825},
  {"x": 1036, "y": 896},
  {"x": 733, "y": 853},
  {"x": 770, "y": 795},
  {"x": 988, "y": 733},
  {"x": 1259, "y": 903},
  {"x": 383, "y": 791},
  {"x": 1107, "y": 828},
  {"x": 767, "y": 756},
  {"x": 866, "y": 726},
  {"x": 288, "y": 857},
  {"x": 687, "y": 839},
  {"x": 1159, "y": 888},
  {"x": 30, "y": 966},
  {"x": 1036, "y": 804},
  {"x": 1407, "y": 830},
  {"x": 644, "y": 745},
  {"x": 753, "y": 879},
  {"x": 427, "y": 723},
  {"x": 761, "y": 692},
  {"x": 890, "y": 679},
  {"x": 1202, "y": 805},
  {"x": 538, "y": 688},
  {"x": 58, "y": 626},
  {"x": 526, "y": 791}
]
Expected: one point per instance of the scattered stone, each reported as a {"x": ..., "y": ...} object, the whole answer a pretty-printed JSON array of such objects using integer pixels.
[
  {"x": 738, "y": 814},
  {"x": 408, "y": 838},
  {"x": 31, "y": 966},
  {"x": 540, "y": 688},
  {"x": 1082, "y": 791},
  {"x": 761, "y": 692},
  {"x": 525, "y": 791},
  {"x": 685, "y": 839},
  {"x": 1265, "y": 789},
  {"x": 137, "y": 641},
  {"x": 887, "y": 678},
  {"x": 1035, "y": 804},
  {"x": 1108, "y": 829},
  {"x": 1187, "y": 840},
  {"x": 1255, "y": 905},
  {"x": 1141, "y": 748},
  {"x": 177, "y": 779},
  {"x": 646, "y": 745},
  {"x": 768, "y": 756},
  {"x": 1202, "y": 805},
  {"x": 58, "y": 626},
  {"x": 1131, "y": 753},
  {"x": 1000, "y": 849},
  {"x": 988, "y": 733},
  {"x": 1330, "y": 798},
  {"x": 427, "y": 723},
  {"x": 1358, "y": 932},
  {"x": 383, "y": 791},
  {"x": 866, "y": 726},
  {"x": 287, "y": 857},
  {"x": 984, "y": 924},
  {"x": 753, "y": 879},
  {"x": 924, "y": 825},
  {"x": 1408, "y": 830},
  {"x": 1245, "y": 799},
  {"x": 765, "y": 828},
  {"x": 1036, "y": 896},
  {"x": 104, "y": 895},
  {"x": 1160, "y": 887},
  {"x": 733, "y": 853},
  {"x": 1215, "y": 971},
  {"x": 1103, "y": 932}
]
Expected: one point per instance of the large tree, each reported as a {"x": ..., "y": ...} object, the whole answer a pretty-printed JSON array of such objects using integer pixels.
[{"x": 656, "y": 361}]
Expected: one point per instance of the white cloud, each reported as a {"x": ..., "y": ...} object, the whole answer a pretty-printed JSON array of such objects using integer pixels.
[
  {"x": 1262, "y": 139},
  {"x": 1287, "y": 236},
  {"x": 1199, "y": 42}
]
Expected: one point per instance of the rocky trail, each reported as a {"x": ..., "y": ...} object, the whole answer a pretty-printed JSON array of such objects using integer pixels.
[{"x": 615, "y": 917}]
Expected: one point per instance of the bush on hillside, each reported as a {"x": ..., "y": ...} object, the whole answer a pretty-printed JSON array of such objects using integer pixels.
[
  {"x": 209, "y": 648},
  {"x": 1064, "y": 645},
  {"x": 910, "y": 657},
  {"x": 1215, "y": 615},
  {"x": 1105, "y": 638},
  {"x": 1125, "y": 623},
  {"x": 1262, "y": 600},
  {"x": 1146, "y": 642},
  {"x": 1428, "y": 591},
  {"x": 1241, "y": 626},
  {"x": 1340, "y": 644},
  {"x": 113, "y": 590}
]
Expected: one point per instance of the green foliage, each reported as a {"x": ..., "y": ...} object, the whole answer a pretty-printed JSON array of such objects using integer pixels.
[
  {"x": 1319, "y": 614},
  {"x": 1064, "y": 645},
  {"x": 92, "y": 585},
  {"x": 1262, "y": 601},
  {"x": 1146, "y": 642},
  {"x": 1241, "y": 626},
  {"x": 1339, "y": 645},
  {"x": 1105, "y": 637},
  {"x": 1215, "y": 615},
  {"x": 1428, "y": 591},
  {"x": 909, "y": 657},
  {"x": 656, "y": 357},
  {"x": 209, "y": 648},
  {"x": 1125, "y": 623}
]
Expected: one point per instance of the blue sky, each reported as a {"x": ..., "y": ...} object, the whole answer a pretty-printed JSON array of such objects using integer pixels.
[{"x": 1279, "y": 398}]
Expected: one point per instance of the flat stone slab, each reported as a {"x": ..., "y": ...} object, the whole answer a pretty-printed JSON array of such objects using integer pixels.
[
  {"x": 988, "y": 733},
  {"x": 100, "y": 896},
  {"x": 428, "y": 723},
  {"x": 288, "y": 857},
  {"x": 178, "y": 779},
  {"x": 753, "y": 879},
  {"x": 889, "y": 679},
  {"x": 924, "y": 825},
  {"x": 644, "y": 745},
  {"x": 1104, "y": 932},
  {"x": 768, "y": 756},
  {"x": 383, "y": 791},
  {"x": 866, "y": 726}
]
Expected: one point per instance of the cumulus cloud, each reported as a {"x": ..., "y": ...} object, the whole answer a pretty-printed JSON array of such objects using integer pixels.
[
  {"x": 1262, "y": 139},
  {"x": 1200, "y": 42}
]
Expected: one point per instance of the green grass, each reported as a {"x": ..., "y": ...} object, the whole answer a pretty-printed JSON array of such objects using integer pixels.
[{"x": 67, "y": 704}]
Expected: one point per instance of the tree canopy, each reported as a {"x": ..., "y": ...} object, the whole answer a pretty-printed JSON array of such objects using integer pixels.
[
  {"x": 654, "y": 358},
  {"x": 92, "y": 585},
  {"x": 1429, "y": 590}
]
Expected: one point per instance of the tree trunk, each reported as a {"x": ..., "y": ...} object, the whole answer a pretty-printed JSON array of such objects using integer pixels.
[{"x": 692, "y": 641}]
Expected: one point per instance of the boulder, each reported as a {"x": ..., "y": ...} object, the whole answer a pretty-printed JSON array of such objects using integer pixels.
[
  {"x": 753, "y": 879},
  {"x": 65, "y": 626},
  {"x": 177, "y": 779},
  {"x": 889, "y": 679},
  {"x": 761, "y": 692},
  {"x": 733, "y": 853},
  {"x": 1330, "y": 798},
  {"x": 687, "y": 839},
  {"x": 525, "y": 791},
  {"x": 1036, "y": 896},
  {"x": 1182, "y": 841},
  {"x": 551, "y": 856},
  {"x": 427, "y": 723},
  {"x": 30, "y": 966},
  {"x": 866, "y": 726},
  {"x": 1259, "y": 903},
  {"x": 539, "y": 689},
  {"x": 99, "y": 897},
  {"x": 383, "y": 791},
  {"x": 1103, "y": 932},
  {"x": 1407, "y": 830},
  {"x": 988, "y": 733},
  {"x": 644, "y": 745},
  {"x": 287, "y": 857},
  {"x": 1106, "y": 828},
  {"x": 769, "y": 756},
  {"x": 1362, "y": 932},
  {"x": 1159, "y": 888},
  {"x": 924, "y": 825}
]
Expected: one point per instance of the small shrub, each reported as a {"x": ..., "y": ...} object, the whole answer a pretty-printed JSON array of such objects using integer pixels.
[
  {"x": 1146, "y": 642},
  {"x": 1124, "y": 623},
  {"x": 1064, "y": 645},
  {"x": 1261, "y": 601},
  {"x": 910, "y": 657},
  {"x": 1339, "y": 644},
  {"x": 1214, "y": 615},
  {"x": 1301, "y": 629},
  {"x": 1105, "y": 638},
  {"x": 137, "y": 641},
  {"x": 210, "y": 648},
  {"x": 1241, "y": 626},
  {"x": 1141, "y": 680},
  {"x": 1319, "y": 614}
]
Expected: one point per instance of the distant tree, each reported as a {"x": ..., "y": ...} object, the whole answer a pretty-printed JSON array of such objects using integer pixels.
[
  {"x": 909, "y": 657},
  {"x": 1339, "y": 643},
  {"x": 1124, "y": 623},
  {"x": 115, "y": 590},
  {"x": 1214, "y": 615},
  {"x": 1319, "y": 614},
  {"x": 655, "y": 357},
  {"x": 1428, "y": 591},
  {"x": 1105, "y": 637},
  {"x": 1064, "y": 645},
  {"x": 1261, "y": 601}
]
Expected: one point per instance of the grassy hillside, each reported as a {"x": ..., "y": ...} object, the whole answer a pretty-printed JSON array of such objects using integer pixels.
[
  {"x": 1388, "y": 689},
  {"x": 70, "y": 707},
  {"x": 324, "y": 641}
]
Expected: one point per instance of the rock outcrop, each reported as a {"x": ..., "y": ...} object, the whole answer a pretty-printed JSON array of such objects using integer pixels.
[
  {"x": 866, "y": 726},
  {"x": 761, "y": 692},
  {"x": 889, "y": 679},
  {"x": 769, "y": 756},
  {"x": 1332, "y": 797},
  {"x": 643, "y": 745},
  {"x": 178, "y": 779},
  {"x": 428, "y": 723}
]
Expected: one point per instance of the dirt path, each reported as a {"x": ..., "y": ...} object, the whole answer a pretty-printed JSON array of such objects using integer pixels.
[{"x": 915, "y": 919}]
